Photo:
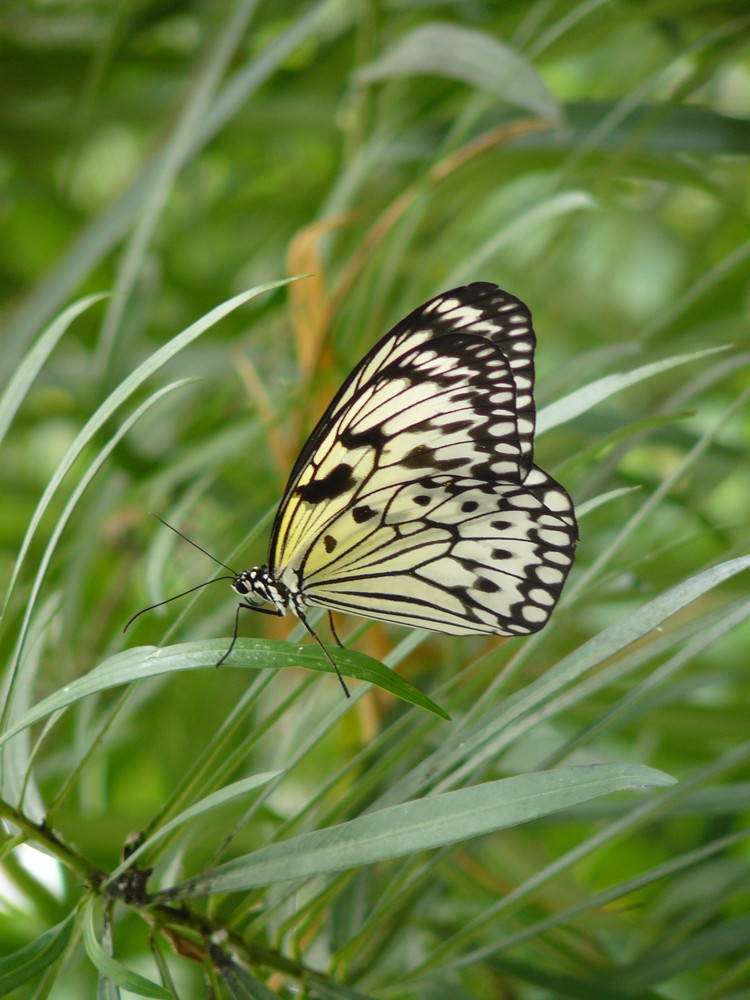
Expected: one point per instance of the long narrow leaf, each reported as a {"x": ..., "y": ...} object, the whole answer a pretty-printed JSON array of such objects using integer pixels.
[
  {"x": 420, "y": 825},
  {"x": 256, "y": 654},
  {"x": 115, "y": 971},
  {"x": 473, "y": 57},
  {"x": 24, "y": 964},
  {"x": 578, "y": 402},
  {"x": 27, "y": 371},
  {"x": 62, "y": 521},
  {"x": 495, "y": 731},
  {"x": 205, "y": 805},
  {"x": 123, "y": 391}
]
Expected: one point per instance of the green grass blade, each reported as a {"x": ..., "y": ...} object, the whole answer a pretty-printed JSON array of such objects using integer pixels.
[
  {"x": 337, "y": 991},
  {"x": 24, "y": 964},
  {"x": 113, "y": 970},
  {"x": 62, "y": 521},
  {"x": 558, "y": 206},
  {"x": 123, "y": 391},
  {"x": 421, "y": 825},
  {"x": 208, "y": 804},
  {"x": 256, "y": 654},
  {"x": 176, "y": 152},
  {"x": 474, "y": 57},
  {"x": 23, "y": 377},
  {"x": 674, "y": 866},
  {"x": 495, "y": 731},
  {"x": 582, "y": 400},
  {"x": 240, "y": 983},
  {"x": 703, "y": 947}
]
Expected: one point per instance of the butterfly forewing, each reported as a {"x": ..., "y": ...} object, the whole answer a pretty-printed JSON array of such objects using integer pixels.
[
  {"x": 481, "y": 309},
  {"x": 416, "y": 499}
]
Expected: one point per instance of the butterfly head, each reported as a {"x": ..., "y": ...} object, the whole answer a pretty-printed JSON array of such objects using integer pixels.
[{"x": 258, "y": 582}]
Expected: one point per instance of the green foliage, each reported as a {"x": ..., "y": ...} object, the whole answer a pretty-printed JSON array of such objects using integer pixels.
[{"x": 451, "y": 829}]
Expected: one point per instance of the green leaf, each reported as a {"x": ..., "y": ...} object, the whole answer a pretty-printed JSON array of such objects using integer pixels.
[
  {"x": 559, "y": 205},
  {"x": 27, "y": 371},
  {"x": 578, "y": 402},
  {"x": 659, "y": 128},
  {"x": 473, "y": 57},
  {"x": 337, "y": 991},
  {"x": 240, "y": 983},
  {"x": 64, "y": 517},
  {"x": 256, "y": 654},
  {"x": 420, "y": 825},
  {"x": 120, "y": 394},
  {"x": 204, "y": 805},
  {"x": 24, "y": 964},
  {"x": 115, "y": 971},
  {"x": 585, "y": 508},
  {"x": 494, "y": 731},
  {"x": 704, "y": 947}
]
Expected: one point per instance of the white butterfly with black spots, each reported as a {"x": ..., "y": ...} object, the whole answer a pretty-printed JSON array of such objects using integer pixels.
[{"x": 416, "y": 499}]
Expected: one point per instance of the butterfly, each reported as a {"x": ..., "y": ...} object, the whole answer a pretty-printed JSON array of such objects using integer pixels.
[{"x": 416, "y": 499}]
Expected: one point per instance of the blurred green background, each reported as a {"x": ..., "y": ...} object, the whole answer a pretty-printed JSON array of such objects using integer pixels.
[{"x": 591, "y": 158}]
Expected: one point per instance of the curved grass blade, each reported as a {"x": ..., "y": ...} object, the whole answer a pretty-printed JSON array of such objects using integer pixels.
[
  {"x": 204, "y": 805},
  {"x": 23, "y": 377},
  {"x": 24, "y": 964},
  {"x": 420, "y": 825},
  {"x": 62, "y": 521},
  {"x": 123, "y": 391},
  {"x": 115, "y": 971},
  {"x": 557, "y": 206},
  {"x": 578, "y": 402},
  {"x": 455, "y": 760},
  {"x": 256, "y": 654},
  {"x": 176, "y": 153},
  {"x": 473, "y": 57}
]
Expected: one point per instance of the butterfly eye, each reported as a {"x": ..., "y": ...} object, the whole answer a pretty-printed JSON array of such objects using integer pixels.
[{"x": 240, "y": 586}]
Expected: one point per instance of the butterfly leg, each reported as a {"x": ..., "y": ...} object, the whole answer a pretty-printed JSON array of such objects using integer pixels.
[
  {"x": 316, "y": 637},
  {"x": 250, "y": 607},
  {"x": 333, "y": 631}
]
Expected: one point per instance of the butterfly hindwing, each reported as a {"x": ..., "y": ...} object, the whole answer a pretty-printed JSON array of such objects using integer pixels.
[
  {"x": 416, "y": 499},
  {"x": 453, "y": 555}
]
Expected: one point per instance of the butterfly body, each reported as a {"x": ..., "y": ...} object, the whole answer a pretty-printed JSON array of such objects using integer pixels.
[
  {"x": 416, "y": 499},
  {"x": 259, "y": 582}
]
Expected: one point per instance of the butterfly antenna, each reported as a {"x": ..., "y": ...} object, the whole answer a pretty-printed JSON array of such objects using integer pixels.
[
  {"x": 176, "y": 597},
  {"x": 331, "y": 660},
  {"x": 195, "y": 546}
]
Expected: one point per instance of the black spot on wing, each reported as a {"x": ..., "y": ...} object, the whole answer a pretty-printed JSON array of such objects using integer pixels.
[
  {"x": 374, "y": 437},
  {"x": 420, "y": 457},
  {"x": 362, "y": 513},
  {"x": 338, "y": 481}
]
